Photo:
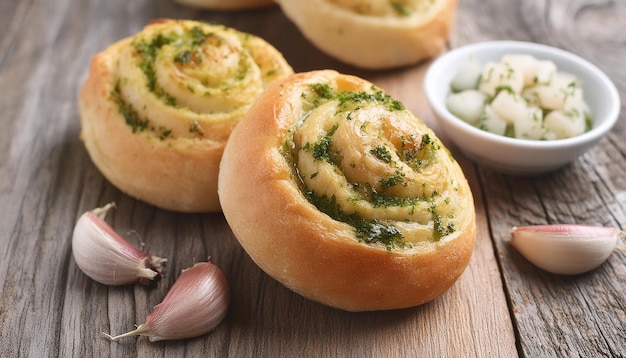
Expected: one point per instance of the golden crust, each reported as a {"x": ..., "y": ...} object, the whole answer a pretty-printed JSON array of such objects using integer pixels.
[
  {"x": 227, "y": 4},
  {"x": 304, "y": 248},
  {"x": 374, "y": 34},
  {"x": 168, "y": 155}
]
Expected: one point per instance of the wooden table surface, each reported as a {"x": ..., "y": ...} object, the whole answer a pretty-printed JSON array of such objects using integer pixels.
[{"x": 502, "y": 306}]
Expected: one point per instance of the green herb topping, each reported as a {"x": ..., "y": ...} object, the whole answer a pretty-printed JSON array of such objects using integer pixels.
[
  {"x": 441, "y": 228},
  {"x": 324, "y": 92},
  {"x": 373, "y": 231},
  {"x": 184, "y": 57},
  {"x": 198, "y": 36},
  {"x": 131, "y": 116},
  {"x": 377, "y": 97},
  {"x": 382, "y": 153},
  {"x": 417, "y": 151},
  {"x": 147, "y": 52},
  {"x": 393, "y": 180},
  {"x": 400, "y": 8},
  {"x": 321, "y": 149},
  {"x": 421, "y": 155}
]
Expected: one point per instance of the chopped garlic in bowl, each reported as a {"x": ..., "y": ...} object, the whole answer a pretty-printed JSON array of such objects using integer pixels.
[
  {"x": 520, "y": 96},
  {"x": 502, "y": 107}
]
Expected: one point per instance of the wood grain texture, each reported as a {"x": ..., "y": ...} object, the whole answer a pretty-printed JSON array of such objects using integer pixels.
[{"x": 501, "y": 307}]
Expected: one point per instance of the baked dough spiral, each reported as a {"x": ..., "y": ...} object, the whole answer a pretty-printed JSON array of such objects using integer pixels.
[
  {"x": 374, "y": 34},
  {"x": 227, "y": 4},
  {"x": 341, "y": 194},
  {"x": 157, "y": 108}
]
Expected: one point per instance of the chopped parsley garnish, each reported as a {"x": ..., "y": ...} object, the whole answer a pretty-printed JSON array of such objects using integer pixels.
[
  {"x": 183, "y": 57},
  {"x": 418, "y": 156},
  {"x": 321, "y": 149},
  {"x": 505, "y": 88},
  {"x": 325, "y": 92},
  {"x": 588, "y": 122},
  {"x": 393, "y": 180},
  {"x": 400, "y": 8},
  {"x": 367, "y": 231},
  {"x": 198, "y": 36},
  {"x": 385, "y": 201},
  {"x": 242, "y": 70},
  {"x": 382, "y": 153},
  {"x": 131, "y": 117},
  {"x": 148, "y": 54},
  {"x": 164, "y": 133},
  {"x": 441, "y": 228},
  {"x": 377, "y": 97}
]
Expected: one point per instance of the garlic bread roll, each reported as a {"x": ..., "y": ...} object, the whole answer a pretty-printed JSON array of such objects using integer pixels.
[
  {"x": 227, "y": 4},
  {"x": 374, "y": 34},
  {"x": 342, "y": 195},
  {"x": 157, "y": 108}
]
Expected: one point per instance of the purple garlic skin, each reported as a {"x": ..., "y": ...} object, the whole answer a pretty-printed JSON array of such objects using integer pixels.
[
  {"x": 106, "y": 257},
  {"x": 195, "y": 305}
]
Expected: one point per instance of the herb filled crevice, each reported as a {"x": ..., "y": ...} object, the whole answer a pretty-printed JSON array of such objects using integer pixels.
[{"x": 383, "y": 208}]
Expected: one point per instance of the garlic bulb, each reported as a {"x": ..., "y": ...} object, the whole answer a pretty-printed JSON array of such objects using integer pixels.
[
  {"x": 106, "y": 257},
  {"x": 565, "y": 249},
  {"x": 195, "y": 305}
]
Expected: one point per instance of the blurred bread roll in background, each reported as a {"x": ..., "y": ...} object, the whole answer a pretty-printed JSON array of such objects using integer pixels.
[{"x": 374, "y": 34}]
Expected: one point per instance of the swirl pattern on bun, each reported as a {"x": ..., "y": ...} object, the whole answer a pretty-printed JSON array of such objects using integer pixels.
[
  {"x": 338, "y": 192},
  {"x": 374, "y": 34},
  {"x": 157, "y": 108}
]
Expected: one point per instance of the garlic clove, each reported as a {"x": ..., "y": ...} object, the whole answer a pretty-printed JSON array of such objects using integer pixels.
[
  {"x": 106, "y": 257},
  {"x": 565, "y": 249},
  {"x": 195, "y": 305}
]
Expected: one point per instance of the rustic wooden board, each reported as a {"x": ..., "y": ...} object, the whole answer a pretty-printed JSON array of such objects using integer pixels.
[{"x": 501, "y": 307}]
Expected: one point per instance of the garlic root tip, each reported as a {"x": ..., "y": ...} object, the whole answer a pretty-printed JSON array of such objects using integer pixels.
[
  {"x": 102, "y": 212},
  {"x": 141, "y": 329},
  {"x": 151, "y": 270},
  {"x": 157, "y": 261}
]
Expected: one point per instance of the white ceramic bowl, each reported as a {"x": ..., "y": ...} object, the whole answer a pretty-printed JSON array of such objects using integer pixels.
[{"x": 522, "y": 156}]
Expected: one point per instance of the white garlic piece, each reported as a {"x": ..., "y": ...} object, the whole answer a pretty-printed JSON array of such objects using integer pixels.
[
  {"x": 195, "y": 305},
  {"x": 565, "y": 249},
  {"x": 106, "y": 257}
]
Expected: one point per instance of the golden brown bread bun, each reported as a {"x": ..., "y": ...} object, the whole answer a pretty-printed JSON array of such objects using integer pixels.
[
  {"x": 341, "y": 194},
  {"x": 157, "y": 108},
  {"x": 227, "y": 4},
  {"x": 374, "y": 34}
]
